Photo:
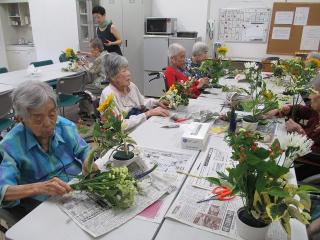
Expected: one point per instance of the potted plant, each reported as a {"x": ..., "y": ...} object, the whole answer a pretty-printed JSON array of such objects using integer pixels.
[
  {"x": 259, "y": 177},
  {"x": 178, "y": 94},
  {"x": 261, "y": 99},
  {"x": 110, "y": 133},
  {"x": 214, "y": 69}
]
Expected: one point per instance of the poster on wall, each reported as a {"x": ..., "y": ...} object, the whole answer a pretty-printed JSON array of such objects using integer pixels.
[{"x": 310, "y": 38}]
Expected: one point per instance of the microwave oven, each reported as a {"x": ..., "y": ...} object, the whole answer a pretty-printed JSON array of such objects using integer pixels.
[{"x": 161, "y": 26}]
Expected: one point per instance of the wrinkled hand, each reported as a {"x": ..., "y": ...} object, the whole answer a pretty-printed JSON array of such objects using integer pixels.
[
  {"x": 85, "y": 167},
  {"x": 203, "y": 82},
  {"x": 292, "y": 126},
  {"x": 53, "y": 187},
  {"x": 158, "y": 111},
  {"x": 285, "y": 110},
  {"x": 164, "y": 104},
  {"x": 271, "y": 114}
]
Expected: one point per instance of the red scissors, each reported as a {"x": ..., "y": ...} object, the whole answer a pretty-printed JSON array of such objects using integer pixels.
[{"x": 220, "y": 193}]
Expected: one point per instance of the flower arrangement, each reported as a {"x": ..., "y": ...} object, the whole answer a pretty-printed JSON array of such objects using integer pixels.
[
  {"x": 178, "y": 94},
  {"x": 260, "y": 180},
  {"x": 261, "y": 100},
  {"x": 110, "y": 131},
  {"x": 69, "y": 55},
  {"x": 115, "y": 187},
  {"x": 216, "y": 68},
  {"x": 298, "y": 75}
]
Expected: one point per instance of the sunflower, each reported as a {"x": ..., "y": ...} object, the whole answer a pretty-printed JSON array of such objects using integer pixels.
[
  {"x": 69, "y": 52},
  {"x": 222, "y": 51},
  {"x": 106, "y": 103}
]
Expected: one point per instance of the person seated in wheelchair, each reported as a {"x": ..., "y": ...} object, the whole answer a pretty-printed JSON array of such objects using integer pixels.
[
  {"x": 177, "y": 70},
  {"x": 97, "y": 80},
  {"x": 39, "y": 154},
  {"x": 126, "y": 94}
]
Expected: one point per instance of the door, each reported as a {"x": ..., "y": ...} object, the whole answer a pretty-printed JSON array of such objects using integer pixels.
[
  {"x": 83, "y": 11},
  {"x": 133, "y": 28},
  {"x": 17, "y": 60}
]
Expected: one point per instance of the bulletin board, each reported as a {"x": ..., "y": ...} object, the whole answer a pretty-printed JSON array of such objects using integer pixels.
[
  {"x": 244, "y": 24},
  {"x": 300, "y": 35}
]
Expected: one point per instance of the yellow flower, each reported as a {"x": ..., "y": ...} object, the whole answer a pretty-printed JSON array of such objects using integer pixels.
[
  {"x": 69, "y": 52},
  {"x": 314, "y": 61},
  {"x": 173, "y": 87},
  {"x": 103, "y": 106},
  {"x": 222, "y": 51}
]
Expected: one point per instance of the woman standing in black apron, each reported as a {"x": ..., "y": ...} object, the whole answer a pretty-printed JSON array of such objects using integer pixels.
[{"x": 107, "y": 31}]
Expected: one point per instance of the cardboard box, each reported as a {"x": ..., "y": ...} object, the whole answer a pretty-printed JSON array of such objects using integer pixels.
[{"x": 196, "y": 136}]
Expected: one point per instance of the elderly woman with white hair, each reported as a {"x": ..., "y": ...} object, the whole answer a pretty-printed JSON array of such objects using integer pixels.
[
  {"x": 199, "y": 54},
  {"x": 127, "y": 96},
  {"x": 177, "y": 71},
  {"x": 40, "y": 153}
]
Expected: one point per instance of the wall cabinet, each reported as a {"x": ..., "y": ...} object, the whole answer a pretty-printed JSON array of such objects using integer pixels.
[
  {"x": 20, "y": 57},
  {"x": 19, "y": 14}
]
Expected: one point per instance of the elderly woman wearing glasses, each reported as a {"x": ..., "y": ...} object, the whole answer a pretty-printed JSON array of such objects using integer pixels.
[
  {"x": 39, "y": 153},
  {"x": 177, "y": 71},
  {"x": 126, "y": 94}
]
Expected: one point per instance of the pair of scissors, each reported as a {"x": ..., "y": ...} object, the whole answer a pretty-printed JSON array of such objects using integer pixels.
[{"x": 220, "y": 193}]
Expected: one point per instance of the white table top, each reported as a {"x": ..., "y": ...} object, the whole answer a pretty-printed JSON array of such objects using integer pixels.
[
  {"x": 5, "y": 88},
  {"x": 50, "y": 222},
  {"x": 46, "y": 73}
]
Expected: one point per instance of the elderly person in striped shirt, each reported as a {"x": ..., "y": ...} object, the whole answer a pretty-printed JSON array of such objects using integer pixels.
[{"x": 38, "y": 154}]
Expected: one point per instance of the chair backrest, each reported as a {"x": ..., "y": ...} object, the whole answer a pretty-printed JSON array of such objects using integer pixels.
[
  {"x": 42, "y": 63},
  {"x": 3, "y": 70},
  {"x": 71, "y": 84},
  {"x": 6, "y": 104},
  {"x": 63, "y": 58}
]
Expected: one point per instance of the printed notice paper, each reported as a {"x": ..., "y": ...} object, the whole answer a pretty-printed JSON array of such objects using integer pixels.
[
  {"x": 283, "y": 17},
  {"x": 301, "y": 16},
  {"x": 281, "y": 33},
  {"x": 310, "y": 38}
]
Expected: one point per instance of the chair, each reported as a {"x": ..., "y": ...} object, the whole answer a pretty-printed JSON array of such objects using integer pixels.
[
  {"x": 70, "y": 89},
  {"x": 3, "y": 70},
  {"x": 42, "y": 63},
  {"x": 6, "y": 121},
  {"x": 62, "y": 57}
]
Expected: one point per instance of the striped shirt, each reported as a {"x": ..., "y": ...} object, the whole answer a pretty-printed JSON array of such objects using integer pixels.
[{"x": 24, "y": 161}]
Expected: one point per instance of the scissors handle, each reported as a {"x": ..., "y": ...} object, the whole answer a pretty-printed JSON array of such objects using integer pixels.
[{"x": 222, "y": 193}]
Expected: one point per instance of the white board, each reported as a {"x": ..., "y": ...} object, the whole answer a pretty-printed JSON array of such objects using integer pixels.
[{"x": 244, "y": 24}]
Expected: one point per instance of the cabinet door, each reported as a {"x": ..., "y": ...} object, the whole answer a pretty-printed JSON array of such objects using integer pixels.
[
  {"x": 92, "y": 25},
  {"x": 16, "y": 60},
  {"x": 133, "y": 28},
  {"x": 83, "y": 24}
]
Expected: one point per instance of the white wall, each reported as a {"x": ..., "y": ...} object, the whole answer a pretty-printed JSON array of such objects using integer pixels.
[
  {"x": 54, "y": 27},
  {"x": 3, "y": 54},
  {"x": 191, "y": 14}
]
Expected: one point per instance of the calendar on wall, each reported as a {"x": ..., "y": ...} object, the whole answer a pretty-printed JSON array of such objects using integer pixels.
[{"x": 244, "y": 24}]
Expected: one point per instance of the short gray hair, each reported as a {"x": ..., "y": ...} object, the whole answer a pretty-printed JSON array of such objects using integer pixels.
[
  {"x": 30, "y": 95},
  {"x": 316, "y": 83},
  {"x": 314, "y": 55},
  {"x": 199, "y": 48},
  {"x": 113, "y": 64},
  {"x": 96, "y": 43},
  {"x": 174, "y": 49}
]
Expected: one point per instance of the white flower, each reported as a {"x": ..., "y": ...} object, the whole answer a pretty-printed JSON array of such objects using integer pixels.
[
  {"x": 295, "y": 145},
  {"x": 251, "y": 65}
]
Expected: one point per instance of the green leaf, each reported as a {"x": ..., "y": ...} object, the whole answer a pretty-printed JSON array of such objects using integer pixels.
[
  {"x": 305, "y": 200},
  {"x": 261, "y": 183},
  {"x": 252, "y": 159},
  {"x": 308, "y": 188},
  {"x": 276, "y": 211},
  {"x": 213, "y": 180},
  {"x": 286, "y": 226},
  {"x": 295, "y": 213},
  {"x": 262, "y": 153},
  {"x": 278, "y": 192}
]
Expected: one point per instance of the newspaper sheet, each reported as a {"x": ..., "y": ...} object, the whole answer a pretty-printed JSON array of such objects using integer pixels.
[
  {"x": 168, "y": 164},
  {"x": 98, "y": 220},
  {"x": 215, "y": 216}
]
